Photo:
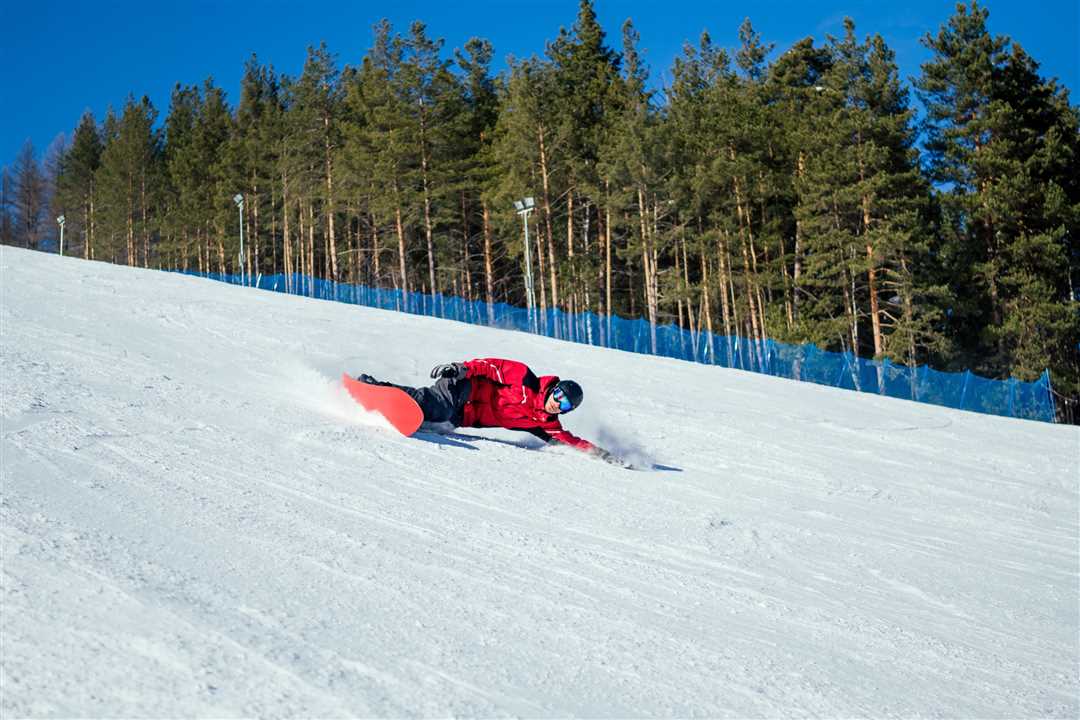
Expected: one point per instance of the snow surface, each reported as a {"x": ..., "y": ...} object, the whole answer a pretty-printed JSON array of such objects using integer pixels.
[{"x": 196, "y": 521}]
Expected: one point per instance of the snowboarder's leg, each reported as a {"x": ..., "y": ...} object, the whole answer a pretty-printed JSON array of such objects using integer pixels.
[{"x": 442, "y": 402}]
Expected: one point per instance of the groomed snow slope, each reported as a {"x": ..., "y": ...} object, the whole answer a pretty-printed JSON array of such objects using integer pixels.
[{"x": 196, "y": 521}]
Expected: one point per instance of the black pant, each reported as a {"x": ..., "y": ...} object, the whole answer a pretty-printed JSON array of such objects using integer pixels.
[{"x": 442, "y": 402}]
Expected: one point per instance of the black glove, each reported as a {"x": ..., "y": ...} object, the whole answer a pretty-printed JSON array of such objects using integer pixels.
[
  {"x": 612, "y": 459},
  {"x": 450, "y": 371}
]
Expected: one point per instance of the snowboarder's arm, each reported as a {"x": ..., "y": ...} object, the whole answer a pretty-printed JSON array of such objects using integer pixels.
[
  {"x": 503, "y": 372},
  {"x": 565, "y": 437}
]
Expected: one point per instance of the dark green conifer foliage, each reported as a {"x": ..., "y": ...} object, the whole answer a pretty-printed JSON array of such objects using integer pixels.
[
  {"x": 585, "y": 74},
  {"x": 1002, "y": 143},
  {"x": 313, "y": 138},
  {"x": 379, "y": 152},
  {"x": 476, "y": 174},
  {"x": 183, "y": 174},
  {"x": 251, "y": 158},
  {"x": 75, "y": 189},
  {"x": 530, "y": 157},
  {"x": 129, "y": 182},
  {"x": 435, "y": 106}
]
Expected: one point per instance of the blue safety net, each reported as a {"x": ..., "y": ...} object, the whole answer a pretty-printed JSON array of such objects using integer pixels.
[{"x": 964, "y": 391}]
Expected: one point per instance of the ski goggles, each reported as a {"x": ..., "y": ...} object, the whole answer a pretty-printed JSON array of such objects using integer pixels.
[{"x": 564, "y": 402}]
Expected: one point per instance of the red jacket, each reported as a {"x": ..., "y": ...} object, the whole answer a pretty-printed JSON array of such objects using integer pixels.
[{"x": 506, "y": 394}]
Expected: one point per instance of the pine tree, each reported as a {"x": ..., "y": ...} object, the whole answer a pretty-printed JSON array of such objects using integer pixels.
[
  {"x": 183, "y": 177},
  {"x": 1036, "y": 194},
  {"x": 314, "y": 137},
  {"x": 793, "y": 89},
  {"x": 30, "y": 200},
  {"x": 743, "y": 160},
  {"x": 7, "y": 204},
  {"x": 249, "y": 163},
  {"x": 893, "y": 203},
  {"x": 1002, "y": 146},
  {"x": 434, "y": 106},
  {"x": 688, "y": 150},
  {"x": 213, "y": 128},
  {"x": 477, "y": 154},
  {"x": 198, "y": 128},
  {"x": 76, "y": 191},
  {"x": 126, "y": 180},
  {"x": 629, "y": 164},
  {"x": 529, "y": 155},
  {"x": 585, "y": 73},
  {"x": 378, "y": 149}
]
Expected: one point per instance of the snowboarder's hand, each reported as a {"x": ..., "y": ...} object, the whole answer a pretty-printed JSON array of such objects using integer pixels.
[
  {"x": 450, "y": 371},
  {"x": 611, "y": 459}
]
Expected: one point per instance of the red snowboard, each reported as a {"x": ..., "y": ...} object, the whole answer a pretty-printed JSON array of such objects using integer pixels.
[{"x": 399, "y": 409}]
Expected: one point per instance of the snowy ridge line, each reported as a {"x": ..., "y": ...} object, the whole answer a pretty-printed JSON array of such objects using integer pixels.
[
  {"x": 193, "y": 525},
  {"x": 804, "y": 363}
]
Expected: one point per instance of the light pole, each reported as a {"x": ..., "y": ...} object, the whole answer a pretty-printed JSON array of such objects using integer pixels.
[
  {"x": 60, "y": 221},
  {"x": 239, "y": 200},
  {"x": 524, "y": 207}
]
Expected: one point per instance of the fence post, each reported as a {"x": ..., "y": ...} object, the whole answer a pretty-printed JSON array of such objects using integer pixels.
[
  {"x": 963, "y": 393},
  {"x": 842, "y": 370},
  {"x": 1050, "y": 395},
  {"x": 1012, "y": 392}
]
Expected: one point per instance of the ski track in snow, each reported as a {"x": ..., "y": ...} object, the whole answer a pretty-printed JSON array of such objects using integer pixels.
[{"x": 196, "y": 520}]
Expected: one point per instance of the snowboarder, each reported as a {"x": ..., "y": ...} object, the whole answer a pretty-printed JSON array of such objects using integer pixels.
[{"x": 491, "y": 392}]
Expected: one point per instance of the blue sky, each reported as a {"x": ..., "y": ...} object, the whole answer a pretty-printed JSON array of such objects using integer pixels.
[{"x": 62, "y": 58}]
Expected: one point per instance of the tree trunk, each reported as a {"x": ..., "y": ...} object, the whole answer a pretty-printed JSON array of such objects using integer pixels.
[
  {"x": 466, "y": 276},
  {"x": 489, "y": 273},
  {"x": 143, "y": 213},
  {"x": 375, "y": 251},
  {"x": 751, "y": 293},
  {"x": 428, "y": 230},
  {"x": 131, "y": 259},
  {"x": 875, "y": 307},
  {"x": 797, "y": 272},
  {"x": 541, "y": 267},
  {"x": 648, "y": 268},
  {"x": 219, "y": 233},
  {"x": 848, "y": 287},
  {"x": 254, "y": 239},
  {"x": 693, "y": 322},
  {"x": 301, "y": 242},
  {"x": 727, "y": 292},
  {"x": 311, "y": 241},
  {"x": 871, "y": 271},
  {"x": 401, "y": 241},
  {"x": 331, "y": 239},
  {"x": 88, "y": 225},
  {"x": 286, "y": 249},
  {"x": 545, "y": 178},
  {"x": 607, "y": 270},
  {"x": 706, "y": 294}
]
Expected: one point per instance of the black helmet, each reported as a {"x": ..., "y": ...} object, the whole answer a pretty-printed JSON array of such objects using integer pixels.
[{"x": 569, "y": 390}]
